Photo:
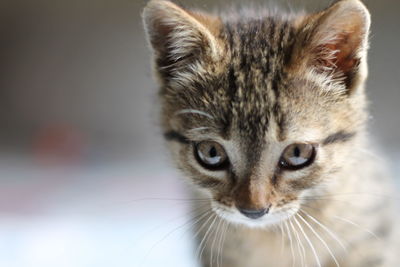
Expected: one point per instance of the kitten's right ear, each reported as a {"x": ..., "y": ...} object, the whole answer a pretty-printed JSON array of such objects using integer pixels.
[{"x": 179, "y": 37}]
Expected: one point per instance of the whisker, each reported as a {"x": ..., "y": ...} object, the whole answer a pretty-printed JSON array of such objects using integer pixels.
[
  {"x": 214, "y": 240},
  {"x": 198, "y": 129},
  {"x": 203, "y": 225},
  {"x": 219, "y": 240},
  {"x": 357, "y": 225},
  {"x": 207, "y": 236},
  {"x": 223, "y": 240},
  {"x": 170, "y": 202},
  {"x": 146, "y": 233},
  {"x": 163, "y": 238},
  {"x": 165, "y": 199},
  {"x": 335, "y": 198},
  {"x": 308, "y": 241},
  {"x": 193, "y": 111},
  {"x": 300, "y": 247},
  {"x": 330, "y": 199},
  {"x": 219, "y": 256},
  {"x": 282, "y": 239},
  {"x": 197, "y": 221},
  {"x": 321, "y": 239},
  {"x": 201, "y": 228},
  {"x": 291, "y": 243},
  {"x": 355, "y": 194},
  {"x": 369, "y": 153},
  {"x": 202, "y": 243},
  {"x": 350, "y": 222},
  {"x": 301, "y": 250},
  {"x": 333, "y": 235}
]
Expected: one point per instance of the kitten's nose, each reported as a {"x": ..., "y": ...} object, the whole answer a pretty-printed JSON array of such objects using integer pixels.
[{"x": 253, "y": 214}]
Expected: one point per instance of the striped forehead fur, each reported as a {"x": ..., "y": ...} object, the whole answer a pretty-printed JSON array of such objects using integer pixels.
[
  {"x": 242, "y": 91},
  {"x": 260, "y": 95}
]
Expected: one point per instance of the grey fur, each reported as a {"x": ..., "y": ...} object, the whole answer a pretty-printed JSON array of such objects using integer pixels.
[{"x": 257, "y": 83}]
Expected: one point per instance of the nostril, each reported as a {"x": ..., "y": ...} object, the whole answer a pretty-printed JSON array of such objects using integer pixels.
[{"x": 253, "y": 214}]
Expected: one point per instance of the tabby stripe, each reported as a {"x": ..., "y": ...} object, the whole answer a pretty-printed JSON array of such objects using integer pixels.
[
  {"x": 338, "y": 137},
  {"x": 208, "y": 183},
  {"x": 232, "y": 86},
  {"x": 289, "y": 49},
  {"x": 175, "y": 136}
]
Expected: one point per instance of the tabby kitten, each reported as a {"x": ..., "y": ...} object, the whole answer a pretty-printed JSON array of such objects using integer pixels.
[{"x": 265, "y": 113}]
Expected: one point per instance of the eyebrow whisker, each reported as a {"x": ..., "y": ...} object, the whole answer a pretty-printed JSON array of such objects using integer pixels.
[
  {"x": 194, "y": 111},
  {"x": 198, "y": 129}
]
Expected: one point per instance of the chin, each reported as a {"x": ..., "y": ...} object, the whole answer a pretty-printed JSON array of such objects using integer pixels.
[{"x": 274, "y": 218}]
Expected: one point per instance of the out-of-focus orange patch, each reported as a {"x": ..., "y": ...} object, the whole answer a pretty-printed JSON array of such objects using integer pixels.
[{"x": 59, "y": 144}]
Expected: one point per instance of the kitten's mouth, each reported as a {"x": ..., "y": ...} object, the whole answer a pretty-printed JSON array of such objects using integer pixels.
[{"x": 254, "y": 218}]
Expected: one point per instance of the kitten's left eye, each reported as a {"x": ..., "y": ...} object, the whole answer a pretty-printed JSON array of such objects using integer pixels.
[
  {"x": 297, "y": 156},
  {"x": 211, "y": 155}
]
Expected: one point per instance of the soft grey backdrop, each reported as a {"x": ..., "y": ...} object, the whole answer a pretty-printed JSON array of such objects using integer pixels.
[{"x": 85, "y": 64}]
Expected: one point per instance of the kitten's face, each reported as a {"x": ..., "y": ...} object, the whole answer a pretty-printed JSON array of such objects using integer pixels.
[
  {"x": 259, "y": 113},
  {"x": 266, "y": 158}
]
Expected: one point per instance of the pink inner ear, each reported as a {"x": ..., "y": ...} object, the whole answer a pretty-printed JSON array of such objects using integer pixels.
[
  {"x": 341, "y": 55},
  {"x": 344, "y": 58}
]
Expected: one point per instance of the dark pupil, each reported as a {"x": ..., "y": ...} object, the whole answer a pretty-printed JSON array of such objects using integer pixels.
[
  {"x": 297, "y": 152},
  {"x": 213, "y": 152}
]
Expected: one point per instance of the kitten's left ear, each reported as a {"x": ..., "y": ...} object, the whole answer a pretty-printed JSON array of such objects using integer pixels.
[{"x": 336, "y": 42}]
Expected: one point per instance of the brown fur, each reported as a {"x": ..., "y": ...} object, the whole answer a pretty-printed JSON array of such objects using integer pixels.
[{"x": 256, "y": 84}]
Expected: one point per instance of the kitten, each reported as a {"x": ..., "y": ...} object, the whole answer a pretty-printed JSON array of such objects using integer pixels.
[{"x": 265, "y": 113}]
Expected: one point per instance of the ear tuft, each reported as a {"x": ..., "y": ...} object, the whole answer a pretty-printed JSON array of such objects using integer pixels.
[
  {"x": 337, "y": 39},
  {"x": 179, "y": 37}
]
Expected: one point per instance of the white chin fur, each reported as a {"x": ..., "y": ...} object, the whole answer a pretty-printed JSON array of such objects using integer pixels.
[{"x": 234, "y": 216}]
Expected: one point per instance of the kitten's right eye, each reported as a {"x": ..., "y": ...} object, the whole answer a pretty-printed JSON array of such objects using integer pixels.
[{"x": 211, "y": 155}]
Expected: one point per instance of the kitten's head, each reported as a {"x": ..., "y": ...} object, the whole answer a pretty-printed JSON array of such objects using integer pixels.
[{"x": 260, "y": 109}]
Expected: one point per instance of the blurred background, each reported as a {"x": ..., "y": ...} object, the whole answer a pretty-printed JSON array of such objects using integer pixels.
[{"x": 82, "y": 161}]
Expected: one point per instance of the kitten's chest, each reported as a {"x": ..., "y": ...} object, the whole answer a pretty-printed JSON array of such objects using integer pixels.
[
  {"x": 275, "y": 247},
  {"x": 250, "y": 248},
  {"x": 256, "y": 248}
]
